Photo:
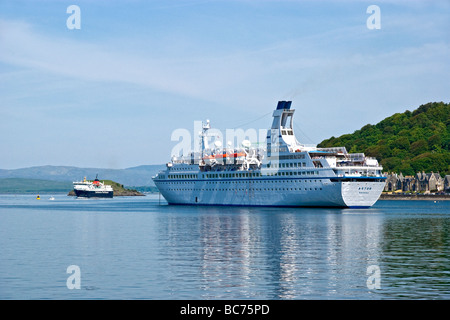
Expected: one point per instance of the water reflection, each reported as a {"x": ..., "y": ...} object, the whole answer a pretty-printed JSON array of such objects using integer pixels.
[
  {"x": 273, "y": 253},
  {"x": 135, "y": 248},
  {"x": 416, "y": 255}
]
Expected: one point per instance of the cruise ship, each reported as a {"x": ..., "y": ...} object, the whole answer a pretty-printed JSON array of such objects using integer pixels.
[
  {"x": 92, "y": 189},
  {"x": 283, "y": 173}
]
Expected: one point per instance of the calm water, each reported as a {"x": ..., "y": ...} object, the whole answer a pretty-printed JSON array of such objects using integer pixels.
[{"x": 134, "y": 248}]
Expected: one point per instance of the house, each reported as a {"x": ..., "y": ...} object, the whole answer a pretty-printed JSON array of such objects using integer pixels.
[
  {"x": 409, "y": 184},
  {"x": 394, "y": 182},
  {"x": 447, "y": 183},
  {"x": 435, "y": 182},
  {"x": 421, "y": 182}
]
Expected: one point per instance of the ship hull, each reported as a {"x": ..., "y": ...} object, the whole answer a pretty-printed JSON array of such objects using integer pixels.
[
  {"x": 284, "y": 193},
  {"x": 93, "y": 194}
]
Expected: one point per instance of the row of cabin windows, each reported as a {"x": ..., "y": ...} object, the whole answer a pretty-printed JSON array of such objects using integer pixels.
[
  {"x": 183, "y": 176},
  {"x": 253, "y": 182},
  {"x": 273, "y": 149},
  {"x": 292, "y": 173},
  {"x": 276, "y": 163},
  {"x": 286, "y": 165},
  {"x": 243, "y": 189},
  {"x": 291, "y": 156},
  {"x": 181, "y": 168},
  {"x": 243, "y": 174}
]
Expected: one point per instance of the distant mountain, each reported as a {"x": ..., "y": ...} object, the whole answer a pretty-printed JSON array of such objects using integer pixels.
[
  {"x": 130, "y": 177},
  {"x": 407, "y": 142},
  {"x": 21, "y": 185}
]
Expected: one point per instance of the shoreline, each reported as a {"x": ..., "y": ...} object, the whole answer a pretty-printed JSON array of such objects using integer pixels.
[{"x": 439, "y": 197}]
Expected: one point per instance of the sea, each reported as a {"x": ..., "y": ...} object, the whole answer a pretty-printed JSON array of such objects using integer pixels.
[{"x": 61, "y": 247}]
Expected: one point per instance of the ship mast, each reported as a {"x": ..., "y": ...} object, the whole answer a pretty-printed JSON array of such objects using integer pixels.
[{"x": 204, "y": 136}]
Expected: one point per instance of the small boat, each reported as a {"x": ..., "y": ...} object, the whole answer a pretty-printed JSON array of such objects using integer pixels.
[{"x": 38, "y": 197}]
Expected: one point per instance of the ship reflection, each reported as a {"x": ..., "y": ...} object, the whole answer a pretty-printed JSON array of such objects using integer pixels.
[{"x": 277, "y": 253}]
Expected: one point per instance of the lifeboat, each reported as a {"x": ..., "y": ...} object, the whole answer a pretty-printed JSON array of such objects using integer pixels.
[{"x": 222, "y": 157}]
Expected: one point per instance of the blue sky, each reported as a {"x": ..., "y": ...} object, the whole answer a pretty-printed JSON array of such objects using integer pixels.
[{"x": 110, "y": 94}]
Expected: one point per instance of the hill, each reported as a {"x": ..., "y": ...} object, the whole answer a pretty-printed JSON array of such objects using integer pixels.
[
  {"x": 135, "y": 176},
  {"x": 406, "y": 142},
  {"x": 19, "y": 185}
]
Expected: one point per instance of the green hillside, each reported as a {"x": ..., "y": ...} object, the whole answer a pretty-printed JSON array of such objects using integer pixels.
[
  {"x": 406, "y": 142},
  {"x": 19, "y": 185}
]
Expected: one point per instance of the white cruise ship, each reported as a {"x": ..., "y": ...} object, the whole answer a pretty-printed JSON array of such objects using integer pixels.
[{"x": 283, "y": 173}]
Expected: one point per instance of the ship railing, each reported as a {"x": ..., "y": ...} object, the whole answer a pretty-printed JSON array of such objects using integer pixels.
[
  {"x": 356, "y": 155},
  {"x": 349, "y": 164},
  {"x": 352, "y": 164},
  {"x": 307, "y": 145},
  {"x": 335, "y": 149},
  {"x": 186, "y": 160},
  {"x": 363, "y": 163}
]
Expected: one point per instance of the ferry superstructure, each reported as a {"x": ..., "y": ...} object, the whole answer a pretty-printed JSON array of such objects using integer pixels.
[{"x": 283, "y": 173}]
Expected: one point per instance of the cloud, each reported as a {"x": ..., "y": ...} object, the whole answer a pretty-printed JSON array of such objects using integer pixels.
[
  {"x": 180, "y": 66},
  {"x": 189, "y": 73},
  {"x": 23, "y": 46}
]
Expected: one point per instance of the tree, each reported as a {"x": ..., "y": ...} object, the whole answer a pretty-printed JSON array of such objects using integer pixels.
[
  {"x": 419, "y": 147},
  {"x": 401, "y": 143}
]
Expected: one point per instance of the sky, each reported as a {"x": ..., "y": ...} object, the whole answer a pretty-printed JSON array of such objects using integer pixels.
[{"x": 111, "y": 93}]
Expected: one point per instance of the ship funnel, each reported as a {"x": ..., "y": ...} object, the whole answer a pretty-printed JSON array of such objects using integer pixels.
[
  {"x": 284, "y": 105},
  {"x": 280, "y": 105}
]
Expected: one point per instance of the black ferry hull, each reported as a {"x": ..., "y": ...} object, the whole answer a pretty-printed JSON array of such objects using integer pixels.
[{"x": 93, "y": 194}]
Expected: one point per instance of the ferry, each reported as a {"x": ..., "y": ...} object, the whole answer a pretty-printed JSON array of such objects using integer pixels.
[
  {"x": 92, "y": 189},
  {"x": 282, "y": 173}
]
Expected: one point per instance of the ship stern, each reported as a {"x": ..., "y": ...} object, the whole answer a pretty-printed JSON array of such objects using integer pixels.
[{"x": 361, "y": 194}]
